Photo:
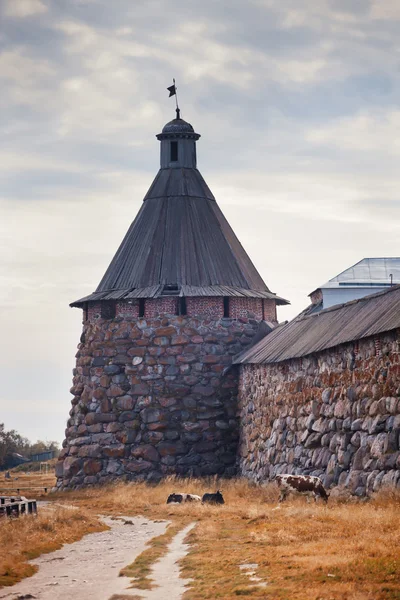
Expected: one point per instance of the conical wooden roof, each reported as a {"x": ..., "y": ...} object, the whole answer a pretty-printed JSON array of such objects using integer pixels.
[{"x": 180, "y": 239}]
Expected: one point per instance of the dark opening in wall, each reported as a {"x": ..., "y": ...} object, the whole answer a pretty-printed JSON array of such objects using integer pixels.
[
  {"x": 170, "y": 289},
  {"x": 182, "y": 306},
  {"x": 108, "y": 309},
  {"x": 174, "y": 151},
  {"x": 86, "y": 311},
  {"x": 141, "y": 307},
  {"x": 226, "y": 306}
]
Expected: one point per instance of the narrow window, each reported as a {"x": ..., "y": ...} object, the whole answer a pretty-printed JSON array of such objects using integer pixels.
[
  {"x": 108, "y": 310},
  {"x": 182, "y": 306},
  {"x": 141, "y": 307},
  {"x": 86, "y": 311},
  {"x": 226, "y": 306},
  {"x": 174, "y": 151}
]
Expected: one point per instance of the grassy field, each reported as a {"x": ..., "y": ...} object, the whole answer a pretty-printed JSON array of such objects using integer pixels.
[
  {"x": 31, "y": 484},
  {"x": 346, "y": 550}
]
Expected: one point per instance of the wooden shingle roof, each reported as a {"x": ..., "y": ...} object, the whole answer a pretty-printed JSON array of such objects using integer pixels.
[{"x": 180, "y": 237}]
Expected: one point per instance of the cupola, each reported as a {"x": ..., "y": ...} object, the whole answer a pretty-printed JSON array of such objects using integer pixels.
[{"x": 178, "y": 144}]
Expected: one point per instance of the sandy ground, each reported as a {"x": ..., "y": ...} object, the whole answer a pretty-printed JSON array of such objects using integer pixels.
[{"x": 89, "y": 569}]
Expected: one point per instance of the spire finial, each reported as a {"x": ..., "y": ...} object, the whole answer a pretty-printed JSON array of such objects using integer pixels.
[{"x": 173, "y": 91}]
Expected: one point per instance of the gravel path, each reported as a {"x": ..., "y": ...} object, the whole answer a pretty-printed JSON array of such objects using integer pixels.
[{"x": 89, "y": 569}]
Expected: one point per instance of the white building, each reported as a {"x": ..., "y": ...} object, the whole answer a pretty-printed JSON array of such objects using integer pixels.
[{"x": 369, "y": 276}]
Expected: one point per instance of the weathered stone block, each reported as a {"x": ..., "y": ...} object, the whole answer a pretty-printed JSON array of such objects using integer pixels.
[
  {"x": 112, "y": 369},
  {"x": 99, "y": 361},
  {"x": 140, "y": 389},
  {"x": 179, "y": 340},
  {"x": 138, "y": 466},
  {"x": 59, "y": 469},
  {"x": 378, "y": 445},
  {"x": 125, "y": 402},
  {"x": 313, "y": 440},
  {"x": 114, "y": 451},
  {"x": 391, "y": 443},
  {"x": 92, "y": 467},
  {"x": 203, "y": 390},
  {"x": 171, "y": 448},
  {"x": 147, "y": 452},
  {"x": 89, "y": 451},
  {"x": 103, "y": 438},
  {"x": 153, "y": 415},
  {"x": 71, "y": 466}
]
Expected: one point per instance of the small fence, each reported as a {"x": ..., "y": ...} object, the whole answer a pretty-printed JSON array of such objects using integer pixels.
[
  {"x": 14, "y": 506},
  {"x": 17, "y": 490}
]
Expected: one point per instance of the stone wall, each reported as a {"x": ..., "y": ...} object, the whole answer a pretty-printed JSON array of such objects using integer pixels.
[
  {"x": 151, "y": 398},
  {"x": 335, "y": 415}
]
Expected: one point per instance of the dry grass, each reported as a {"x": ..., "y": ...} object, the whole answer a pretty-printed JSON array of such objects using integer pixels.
[
  {"x": 343, "y": 551},
  {"x": 27, "y": 537}
]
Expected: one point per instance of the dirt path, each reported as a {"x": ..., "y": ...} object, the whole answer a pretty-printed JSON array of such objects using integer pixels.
[
  {"x": 89, "y": 569},
  {"x": 165, "y": 572}
]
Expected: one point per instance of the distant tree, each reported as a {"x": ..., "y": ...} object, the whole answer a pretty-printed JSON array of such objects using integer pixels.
[
  {"x": 12, "y": 442},
  {"x": 41, "y": 446}
]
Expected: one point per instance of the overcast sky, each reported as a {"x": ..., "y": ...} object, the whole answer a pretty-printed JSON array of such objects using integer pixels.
[{"x": 297, "y": 102}]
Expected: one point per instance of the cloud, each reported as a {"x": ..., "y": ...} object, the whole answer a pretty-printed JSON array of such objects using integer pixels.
[
  {"x": 23, "y": 8},
  {"x": 365, "y": 132}
]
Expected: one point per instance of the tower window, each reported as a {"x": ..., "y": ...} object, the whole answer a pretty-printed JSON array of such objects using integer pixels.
[
  {"x": 174, "y": 151},
  {"x": 141, "y": 307},
  {"x": 108, "y": 310},
  {"x": 182, "y": 306},
  {"x": 226, "y": 307}
]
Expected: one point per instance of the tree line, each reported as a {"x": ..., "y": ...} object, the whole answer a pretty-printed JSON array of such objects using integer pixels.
[{"x": 11, "y": 443}]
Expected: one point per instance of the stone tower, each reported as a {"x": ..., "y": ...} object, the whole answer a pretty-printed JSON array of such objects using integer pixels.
[{"x": 152, "y": 395}]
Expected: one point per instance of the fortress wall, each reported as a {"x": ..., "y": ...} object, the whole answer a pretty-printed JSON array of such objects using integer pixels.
[
  {"x": 151, "y": 398},
  {"x": 335, "y": 414}
]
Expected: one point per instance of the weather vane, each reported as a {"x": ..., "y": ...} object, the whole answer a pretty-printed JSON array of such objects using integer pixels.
[{"x": 173, "y": 91}]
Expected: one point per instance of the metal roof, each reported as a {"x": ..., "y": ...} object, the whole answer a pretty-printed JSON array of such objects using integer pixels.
[
  {"x": 180, "y": 237},
  {"x": 367, "y": 272},
  {"x": 340, "y": 324},
  {"x": 178, "y": 126}
]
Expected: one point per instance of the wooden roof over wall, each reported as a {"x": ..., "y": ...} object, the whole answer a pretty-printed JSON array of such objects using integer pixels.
[{"x": 340, "y": 324}]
